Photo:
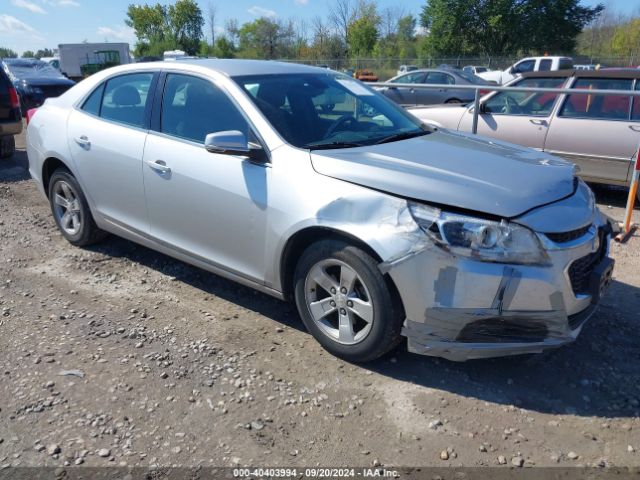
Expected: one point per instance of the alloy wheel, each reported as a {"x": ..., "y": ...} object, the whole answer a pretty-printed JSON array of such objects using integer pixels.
[
  {"x": 67, "y": 208},
  {"x": 339, "y": 301}
]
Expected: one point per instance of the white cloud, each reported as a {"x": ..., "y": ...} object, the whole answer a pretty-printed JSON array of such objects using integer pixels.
[
  {"x": 126, "y": 34},
  {"x": 301, "y": 2},
  {"x": 261, "y": 12},
  {"x": 9, "y": 24},
  {"x": 32, "y": 7},
  {"x": 61, "y": 3}
]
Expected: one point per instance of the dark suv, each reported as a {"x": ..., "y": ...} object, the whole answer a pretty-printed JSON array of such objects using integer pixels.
[{"x": 10, "y": 116}]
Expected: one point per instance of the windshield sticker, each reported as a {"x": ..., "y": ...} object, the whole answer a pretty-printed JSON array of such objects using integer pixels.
[{"x": 354, "y": 87}]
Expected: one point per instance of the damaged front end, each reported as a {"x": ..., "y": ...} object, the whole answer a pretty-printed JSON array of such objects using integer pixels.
[{"x": 477, "y": 288}]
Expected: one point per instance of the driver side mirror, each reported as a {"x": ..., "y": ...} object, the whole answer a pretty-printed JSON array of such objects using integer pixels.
[{"x": 234, "y": 142}]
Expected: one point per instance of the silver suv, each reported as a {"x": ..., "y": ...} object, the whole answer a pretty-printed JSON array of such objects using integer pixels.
[{"x": 377, "y": 226}]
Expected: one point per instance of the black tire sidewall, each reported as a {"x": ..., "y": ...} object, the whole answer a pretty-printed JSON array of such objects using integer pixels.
[
  {"x": 387, "y": 323},
  {"x": 83, "y": 237}
]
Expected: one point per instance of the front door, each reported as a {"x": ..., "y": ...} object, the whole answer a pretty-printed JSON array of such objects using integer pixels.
[
  {"x": 517, "y": 117},
  {"x": 210, "y": 206}
]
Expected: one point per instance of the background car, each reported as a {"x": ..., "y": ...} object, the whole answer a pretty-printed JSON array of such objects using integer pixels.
[
  {"x": 35, "y": 81},
  {"x": 529, "y": 64},
  {"x": 600, "y": 134},
  {"x": 406, "y": 69},
  {"x": 10, "y": 116},
  {"x": 428, "y": 96},
  {"x": 475, "y": 69}
]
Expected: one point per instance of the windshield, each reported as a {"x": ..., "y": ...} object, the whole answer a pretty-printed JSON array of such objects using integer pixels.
[
  {"x": 30, "y": 68},
  {"x": 328, "y": 110}
]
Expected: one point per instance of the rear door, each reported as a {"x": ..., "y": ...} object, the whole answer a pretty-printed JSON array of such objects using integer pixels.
[
  {"x": 599, "y": 133},
  {"x": 517, "y": 117},
  {"x": 106, "y": 137},
  {"x": 430, "y": 96}
]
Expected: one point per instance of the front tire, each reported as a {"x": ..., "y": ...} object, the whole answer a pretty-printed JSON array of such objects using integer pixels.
[
  {"x": 71, "y": 210},
  {"x": 345, "y": 302}
]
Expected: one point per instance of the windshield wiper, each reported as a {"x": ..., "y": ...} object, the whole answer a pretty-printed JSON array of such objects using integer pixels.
[
  {"x": 329, "y": 146},
  {"x": 401, "y": 136}
]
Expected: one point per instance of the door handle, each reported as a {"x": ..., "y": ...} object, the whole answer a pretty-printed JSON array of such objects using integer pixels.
[
  {"x": 83, "y": 141},
  {"x": 159, "y": 166},
  {"x": 635, "y": 128},
  {"x": 538, "y": 122}
]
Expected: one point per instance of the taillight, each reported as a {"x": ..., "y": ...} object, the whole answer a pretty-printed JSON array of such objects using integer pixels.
[
  {"x": 13, "y": 98},
  {"x": 483, "y": 92},
  {"x": 30, "y": 113}
]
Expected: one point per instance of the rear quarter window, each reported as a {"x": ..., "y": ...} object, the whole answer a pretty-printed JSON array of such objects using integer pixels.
[
  {"x": 92, "y": 103},
  {"x": 600, "y": 107}
]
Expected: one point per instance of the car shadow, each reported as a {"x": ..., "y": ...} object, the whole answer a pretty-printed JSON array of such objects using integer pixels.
[
  {"x": 611, "y": 195},
  {"x": 15, "y": 168},
  {"x": 595, "y": 376},
  {"x": 282, "y": 312}
]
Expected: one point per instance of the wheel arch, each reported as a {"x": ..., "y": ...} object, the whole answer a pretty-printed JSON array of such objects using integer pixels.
[
  {"x": 50, "y": 165},
  {"x": 302, "y": 239}
]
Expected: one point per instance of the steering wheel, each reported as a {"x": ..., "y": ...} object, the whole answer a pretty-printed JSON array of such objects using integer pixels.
[
  {"x": 510, "y": 105},
  {"x": 341, "y": 120}
]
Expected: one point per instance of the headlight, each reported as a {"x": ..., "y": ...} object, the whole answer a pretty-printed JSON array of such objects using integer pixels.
[{"x": 483, "y": 240}]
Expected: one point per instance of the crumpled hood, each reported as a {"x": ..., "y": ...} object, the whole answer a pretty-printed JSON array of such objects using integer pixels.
[{"x": 455, "y": 169}]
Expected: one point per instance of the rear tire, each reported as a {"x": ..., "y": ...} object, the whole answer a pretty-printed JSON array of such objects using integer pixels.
[
  {"x": 453, "y": 100},
  {"x": 345, "y": 302},
  {"x": 7, "y": 146},
  {"x": 71, "y": 210}
]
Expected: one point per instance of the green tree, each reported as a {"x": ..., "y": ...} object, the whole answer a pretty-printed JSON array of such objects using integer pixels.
[
  {"x": 494, "y": 27},
  {"x": 266, "y": 38},
  {"x": 7, "y": 53},
  {"x": 46, "y": 52},
  {"x": 224, "y": 47},
  {"x": 28, "y": 54},
  {"x": 363, "y": 29},
  {"x": 160, "y": 28},
  {"x": 626, "y": 39}
]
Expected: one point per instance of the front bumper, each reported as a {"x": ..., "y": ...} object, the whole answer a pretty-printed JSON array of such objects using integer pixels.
[{"x": 460, "y": 309}]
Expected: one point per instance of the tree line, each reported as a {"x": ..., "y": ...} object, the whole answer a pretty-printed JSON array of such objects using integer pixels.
[{"x": 360, "y": 28}]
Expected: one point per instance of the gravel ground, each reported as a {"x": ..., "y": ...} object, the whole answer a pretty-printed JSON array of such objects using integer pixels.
[{"x": 117, "y": 355}]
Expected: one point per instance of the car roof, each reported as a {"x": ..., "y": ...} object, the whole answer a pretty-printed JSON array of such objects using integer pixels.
[
  {"x": 627, "y": 73},
  {"x": 238, "y": 67}
]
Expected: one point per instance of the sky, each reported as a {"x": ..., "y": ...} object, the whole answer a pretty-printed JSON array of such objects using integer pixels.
[{"x": 35, "y": 24}]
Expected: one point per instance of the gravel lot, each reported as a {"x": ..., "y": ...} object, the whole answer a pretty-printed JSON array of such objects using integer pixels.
[{"x": 117, "y": 355}]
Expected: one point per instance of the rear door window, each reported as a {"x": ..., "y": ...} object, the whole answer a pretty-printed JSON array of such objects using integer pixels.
[
  {"x": 545, "y": 65},
  {"x": 602, "y": 107},
  {"x": 411, "y": 78},
  {"x": 439, "y": 78},
  {"x": 525, "y": 103},
  {"x": 126, "y": 98}
]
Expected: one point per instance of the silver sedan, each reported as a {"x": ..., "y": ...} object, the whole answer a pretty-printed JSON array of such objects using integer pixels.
[{"x": 308, "y": 185}]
